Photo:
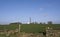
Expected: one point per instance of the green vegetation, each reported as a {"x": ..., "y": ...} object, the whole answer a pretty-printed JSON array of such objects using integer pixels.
[
  {"x": 29, "y": 27},
  {"x": 35, "y": 28}
]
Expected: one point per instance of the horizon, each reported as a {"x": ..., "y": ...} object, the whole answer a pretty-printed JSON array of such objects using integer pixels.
[{"x": 22, "y": 10}]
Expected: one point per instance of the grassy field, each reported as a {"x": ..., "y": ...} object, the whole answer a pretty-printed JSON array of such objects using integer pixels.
[
  {"x": 35, "y": 28},
  {"x": 29, "y": 27}
]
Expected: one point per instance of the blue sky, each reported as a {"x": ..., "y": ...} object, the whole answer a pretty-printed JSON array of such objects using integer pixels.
[{"x": 22, "y": 10}]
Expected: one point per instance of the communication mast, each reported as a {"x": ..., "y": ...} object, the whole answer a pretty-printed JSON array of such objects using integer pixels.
[{"x": 30, "y": 20}]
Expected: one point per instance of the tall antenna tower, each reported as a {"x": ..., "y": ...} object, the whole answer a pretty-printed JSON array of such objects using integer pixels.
[{"x": 30, "y": 20}]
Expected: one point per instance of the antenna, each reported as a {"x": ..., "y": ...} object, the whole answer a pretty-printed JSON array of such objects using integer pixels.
[{"x": 30, "y": 20}]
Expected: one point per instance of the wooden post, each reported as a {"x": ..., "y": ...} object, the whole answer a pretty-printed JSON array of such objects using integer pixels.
[{"x": 19, "y": 28}]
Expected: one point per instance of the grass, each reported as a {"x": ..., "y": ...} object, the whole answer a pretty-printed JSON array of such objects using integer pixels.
[
  {"x": 29, "y": 27},
  {"x": 35, "y": 28}
]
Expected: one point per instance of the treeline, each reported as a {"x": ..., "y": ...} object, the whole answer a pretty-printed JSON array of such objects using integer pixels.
[{"x": 49, "y": 22}]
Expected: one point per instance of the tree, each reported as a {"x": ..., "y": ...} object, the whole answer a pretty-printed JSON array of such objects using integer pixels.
[
  {"x": 49, "y": 22},
  {"x": 15, "y": 23}
]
